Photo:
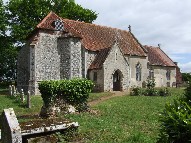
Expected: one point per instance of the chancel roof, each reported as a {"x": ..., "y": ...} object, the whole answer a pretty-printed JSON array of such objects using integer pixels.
[{"x": 156, "y": 56}]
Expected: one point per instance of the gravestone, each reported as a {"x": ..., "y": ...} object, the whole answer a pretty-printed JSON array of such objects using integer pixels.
[
  {"x": 10, "y": 90},
  {"x": 28, "y": 99},
  {"x": 13, "y": 90},
  {"x": 12, "y": 132},
  {"x": 10, "y": 129},
  {"x": 22, "y": 96}
]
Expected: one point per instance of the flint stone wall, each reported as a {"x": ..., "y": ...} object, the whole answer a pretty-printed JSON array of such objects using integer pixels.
[
  {"x": 23, "y": 68},
  {"x": 52, "y": 57},
  {"x": 134, "y": 60},
  {"x": 115, "y": 61}
]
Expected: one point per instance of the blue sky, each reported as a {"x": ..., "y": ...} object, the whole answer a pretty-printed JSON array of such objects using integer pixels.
[{"x": 153, "y": 22}]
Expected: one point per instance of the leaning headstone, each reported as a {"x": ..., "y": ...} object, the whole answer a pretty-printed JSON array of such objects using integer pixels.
[
  {"x": 10, "y": 129},
  {"x": 10, "y": 90},
  {"x": 28, "y": 99},
  {"x": 22, "y": 96}
]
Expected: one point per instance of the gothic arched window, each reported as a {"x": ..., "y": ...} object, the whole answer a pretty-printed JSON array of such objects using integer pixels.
[
  {"x": 138, "y": 72},
  {"x": 168, "y": 74},
  {"x": 151, "y": 73}
]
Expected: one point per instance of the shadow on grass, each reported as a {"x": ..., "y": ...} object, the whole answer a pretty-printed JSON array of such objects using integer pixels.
[
  {"x": 17, "y": 101},
  {"x": 4, "y": 92}
]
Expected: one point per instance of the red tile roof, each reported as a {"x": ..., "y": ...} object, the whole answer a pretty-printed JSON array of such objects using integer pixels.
[
  {"x": 95, "y": 37},
  {"x": 157, "y": 57},
  {"x": 100, "y": 59}
]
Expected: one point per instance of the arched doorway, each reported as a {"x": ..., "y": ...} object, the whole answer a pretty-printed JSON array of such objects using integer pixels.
[{"x": 117, "y": 77}]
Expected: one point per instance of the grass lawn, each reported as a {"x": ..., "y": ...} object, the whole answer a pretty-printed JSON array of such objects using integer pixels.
[
  {"x": 95, "y": 96},
  {"x": 128, "y": 119},
  {"x": 20, "y": 108}
]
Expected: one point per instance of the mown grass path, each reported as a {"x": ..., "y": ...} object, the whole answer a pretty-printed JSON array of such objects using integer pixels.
[{"x": 104, "y": 98}]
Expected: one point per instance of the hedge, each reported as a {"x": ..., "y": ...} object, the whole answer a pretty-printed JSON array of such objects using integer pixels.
[{"x": 74, "y": 92}]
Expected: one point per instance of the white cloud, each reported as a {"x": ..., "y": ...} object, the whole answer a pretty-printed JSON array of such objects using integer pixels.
[
  {"x": 153, "y": 21},
  {"x": 186, "y": 67}
]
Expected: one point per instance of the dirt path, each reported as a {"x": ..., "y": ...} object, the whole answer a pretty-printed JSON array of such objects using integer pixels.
[{"x": 114, "y": 94}]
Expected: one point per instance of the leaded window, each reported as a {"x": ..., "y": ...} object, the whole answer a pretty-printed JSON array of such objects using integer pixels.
[
  {"x": 151, "y": 73},
  {"x": 138, "y": 72},
  {"x": 168, "y": 74}
]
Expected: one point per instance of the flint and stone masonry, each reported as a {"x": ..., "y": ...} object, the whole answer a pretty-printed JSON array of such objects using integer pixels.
[
  {"x": 51, "y": 58},
  {"x": 76, "y": 51}
]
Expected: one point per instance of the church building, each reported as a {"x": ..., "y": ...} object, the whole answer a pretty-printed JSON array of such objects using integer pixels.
[{"x": 113, "y": 59}]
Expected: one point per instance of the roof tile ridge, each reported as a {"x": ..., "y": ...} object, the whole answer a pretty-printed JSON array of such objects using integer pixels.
[
  {"x": 71, "y": 26},
  {"x": 97, "y": 25},
  {"x": 44, "y": 19},
  {"x": 145, "y": 50},
  {"x": 167, "y": 56}
]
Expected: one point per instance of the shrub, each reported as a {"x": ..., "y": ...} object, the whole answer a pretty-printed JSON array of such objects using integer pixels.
[
  {"x": 150, "y": 83},
  {"x": 150, "y": 87},
  {"x": 150, "y": 90},
  {"x": 136, "y": 91},
  {"x": 49, "y": 91},
  {"x": 176, "y": 120},
  {"x": 73, "y": 92},
  {"x": 164, "y": 92}
]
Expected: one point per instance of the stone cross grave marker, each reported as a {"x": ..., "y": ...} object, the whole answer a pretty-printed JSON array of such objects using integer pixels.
[{"x": 10, "y": 129}]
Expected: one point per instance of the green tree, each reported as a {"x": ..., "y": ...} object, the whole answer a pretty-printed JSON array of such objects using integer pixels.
[
  {"x": 21, "y": 17},
  {"x": 3, "y": 21},
  {"x": 186, "y": 76},
  {"x": 8, "y": 58},
  {"x": 24, "y": 15},
  {"x": 8, "y": 53}
]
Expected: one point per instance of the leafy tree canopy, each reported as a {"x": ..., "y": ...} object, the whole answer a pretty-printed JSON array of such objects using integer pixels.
[
  {"x": 2, "y": 19},
  {"x": 186, "y": 76},
  {"x": 24, "y": 15},
  {"x": 19, "y": 18}
]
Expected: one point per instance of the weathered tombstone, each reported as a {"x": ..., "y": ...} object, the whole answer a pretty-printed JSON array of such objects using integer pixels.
[
  {"x": 13, "y": 90},
  {"x": 10, "y": 90},
  {"x": 10, "y": 129},
  {"x": 28, "y": 99},
  {"x": 22, "y": 96}
]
